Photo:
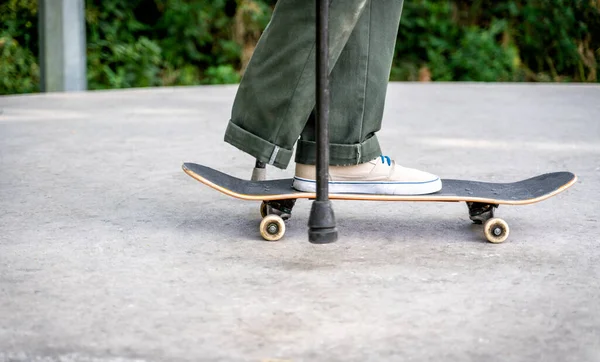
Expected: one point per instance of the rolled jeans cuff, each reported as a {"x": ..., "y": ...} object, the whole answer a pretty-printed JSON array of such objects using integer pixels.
[
  {"x": 339, "y": 154},
  {"x": 262, "y": 150}
]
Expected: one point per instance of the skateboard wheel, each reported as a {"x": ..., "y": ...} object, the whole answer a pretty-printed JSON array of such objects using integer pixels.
[
  {"x": 496, "y": 230},
  {"x": 272, "y": 227},
  {"x": 264, "y": 209}
]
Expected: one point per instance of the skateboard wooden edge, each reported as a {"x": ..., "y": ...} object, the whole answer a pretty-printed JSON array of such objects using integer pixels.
[{"x": 361, "y": 197}]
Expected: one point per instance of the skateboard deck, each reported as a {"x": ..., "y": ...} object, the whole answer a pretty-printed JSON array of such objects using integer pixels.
[
  {"x": 481, "y": 197},
  {"x": 527, "y": 191}
]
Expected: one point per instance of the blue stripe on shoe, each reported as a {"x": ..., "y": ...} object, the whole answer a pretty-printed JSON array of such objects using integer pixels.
[
  {"x": 368, "y": 182},
  {"x": 385, "y": 159}
]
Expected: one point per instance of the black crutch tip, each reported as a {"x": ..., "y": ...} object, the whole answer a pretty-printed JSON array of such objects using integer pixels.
[
  {"x": 321, "y": 223},
  {"x": 322, "y": 236}
]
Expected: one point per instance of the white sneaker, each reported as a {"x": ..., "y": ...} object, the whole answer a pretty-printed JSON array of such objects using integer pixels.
[{"x": 380, "y": 176}]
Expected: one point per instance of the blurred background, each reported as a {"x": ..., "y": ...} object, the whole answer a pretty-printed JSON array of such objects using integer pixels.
[{"x": 144, "y": 43}]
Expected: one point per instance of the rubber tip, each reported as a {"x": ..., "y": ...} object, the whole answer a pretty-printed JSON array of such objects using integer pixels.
[
  {"x": 322, "y": 236},
  {"x": 321, "y": 223}
]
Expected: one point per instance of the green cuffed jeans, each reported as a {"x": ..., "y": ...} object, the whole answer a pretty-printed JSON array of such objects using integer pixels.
[{"x": 274, "y": 105}]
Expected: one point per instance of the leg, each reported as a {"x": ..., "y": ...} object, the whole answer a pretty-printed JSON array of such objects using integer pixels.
[
  {"x": 277, "y": 92},
  {"x": 359, "y": 83}
]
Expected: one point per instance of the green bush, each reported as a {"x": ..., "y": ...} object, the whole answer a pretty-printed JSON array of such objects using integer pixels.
[
  {"x": 480, "y": 57},
  {"x": 560, "y": 38},
  {"x": 142, "y": 43},
  {"x": 19, "y": 71},
  {"x": 118, "y": 57},
  {"x": 507, "y": 40},
  {"x": 163, "y": 42},
  {"x": 18, "y": 20}
]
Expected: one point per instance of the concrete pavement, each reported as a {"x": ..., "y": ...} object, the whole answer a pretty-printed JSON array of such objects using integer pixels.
[{"x": 109, "y": 252}]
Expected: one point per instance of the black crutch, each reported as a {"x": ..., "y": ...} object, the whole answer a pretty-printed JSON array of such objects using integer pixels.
[{"x": 321, "y": 222}]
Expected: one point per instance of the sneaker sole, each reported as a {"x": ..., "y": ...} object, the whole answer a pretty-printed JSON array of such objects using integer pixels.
[{"x": 371, "y": 187}]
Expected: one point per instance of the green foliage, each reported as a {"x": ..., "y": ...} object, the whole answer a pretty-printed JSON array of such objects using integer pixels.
[
  {"x": 122, "y": 65},
  {"x": 507, "y": 40},
  {"x": 479, "y": 57},
  {"x": 222, "y": 74},
  {"x": 117, "y": 57},
  {"x": 144, "y": 43},
  {"x": 19, "y": 72},
  {"x": 556, "y": 38},
  {"x": 141, "y": 43},
  {"x": 201, "y": 33},
  {"x": 18, "y": 20},
  {"x": 430, "y": 39}
]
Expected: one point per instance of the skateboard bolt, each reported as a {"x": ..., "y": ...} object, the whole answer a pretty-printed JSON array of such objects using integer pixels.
[
  {"x": 497, "y": 231},
  {"x": 272, "y": 229}
]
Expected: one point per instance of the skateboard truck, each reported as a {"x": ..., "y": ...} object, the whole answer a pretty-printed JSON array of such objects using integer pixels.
[
  {"x": 283, "y": 208},
  {"x": 495, "y": 229},
  {"x": 480, "y": 212}
]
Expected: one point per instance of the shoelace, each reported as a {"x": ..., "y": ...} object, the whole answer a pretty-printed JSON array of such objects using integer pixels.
[{"x": 386, "y": 159}]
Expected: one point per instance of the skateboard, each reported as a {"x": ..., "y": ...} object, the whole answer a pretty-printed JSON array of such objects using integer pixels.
[{"x": 482, "y": 198}]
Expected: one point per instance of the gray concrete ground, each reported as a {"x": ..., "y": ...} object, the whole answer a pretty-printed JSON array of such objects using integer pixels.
[{"x": 109, "y": 252}]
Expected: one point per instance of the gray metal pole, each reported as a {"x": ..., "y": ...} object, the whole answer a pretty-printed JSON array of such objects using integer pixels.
[{"x": 62, "y": 45}]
